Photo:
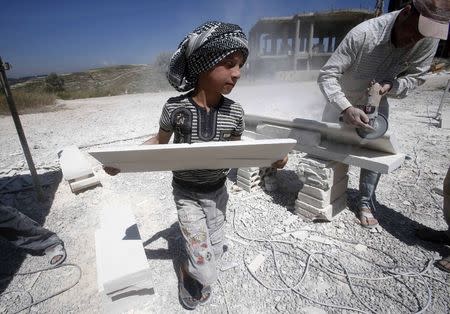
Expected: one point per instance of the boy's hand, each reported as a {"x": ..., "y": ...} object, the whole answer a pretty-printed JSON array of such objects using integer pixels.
[
  {"x": 385, "y": 87},
  {"x": 111, "y": 170},
  {"x": 280, "y": 163}
]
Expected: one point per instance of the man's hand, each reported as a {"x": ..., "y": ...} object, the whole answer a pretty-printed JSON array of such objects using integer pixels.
[
  {"x": 356, "y": 117},
  {"x": 280, "y": 163},
  {"x": 111, "y": 170}
]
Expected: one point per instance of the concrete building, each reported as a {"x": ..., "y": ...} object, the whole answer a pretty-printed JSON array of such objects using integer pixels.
[{"x": 300, "y": 42}]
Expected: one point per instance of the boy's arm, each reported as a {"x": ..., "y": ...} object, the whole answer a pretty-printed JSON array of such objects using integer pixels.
[{"x": 163, "y": 137}]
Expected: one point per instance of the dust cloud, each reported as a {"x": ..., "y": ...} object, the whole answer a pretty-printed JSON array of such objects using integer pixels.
[{"x": 283, "y": 100}]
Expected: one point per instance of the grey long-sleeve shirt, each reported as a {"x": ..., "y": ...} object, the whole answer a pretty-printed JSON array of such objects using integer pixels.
[{"x": 366, "y": 53}]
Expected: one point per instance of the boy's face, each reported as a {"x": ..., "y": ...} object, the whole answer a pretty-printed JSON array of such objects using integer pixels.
[{"x": 222, "y": 78}]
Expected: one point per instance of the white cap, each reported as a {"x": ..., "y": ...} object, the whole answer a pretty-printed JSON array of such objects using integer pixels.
[{"x": 434, "y": 17}]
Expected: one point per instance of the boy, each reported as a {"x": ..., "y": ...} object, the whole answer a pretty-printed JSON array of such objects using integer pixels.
[{"x": 208, "y": 63}]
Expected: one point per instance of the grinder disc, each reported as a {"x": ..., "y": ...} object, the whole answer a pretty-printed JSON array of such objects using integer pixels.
[{"x": 380, "y": 125}]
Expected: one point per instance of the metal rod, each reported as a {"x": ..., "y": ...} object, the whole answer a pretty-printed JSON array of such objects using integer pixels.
[
  {"x": 441, "y": 104},
  {"x": 20, "y": 132}
]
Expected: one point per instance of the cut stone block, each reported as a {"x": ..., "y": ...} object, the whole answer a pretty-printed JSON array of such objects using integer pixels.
[
  {"x": 305, "y": 214},
  {"x": 207, "y": 155},
  {"x": 335, "y": 170},
  {"x": 327, "y": 213},
  {"x": 323, "y": 196},
  {"x": 323, "y": 177},
  {"x": 316, "y": 162},
  {"x": 121, "y": 261},
  {"x": 249, "y": 175},
  {"x": 76, "y": 169},
  {"x": 253, "y": 182},
  {"x": 84, "y": 183},
  {"x": 247, "y": 187}
]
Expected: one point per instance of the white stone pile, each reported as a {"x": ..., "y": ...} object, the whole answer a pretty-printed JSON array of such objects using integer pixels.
[
  {"x": 248, "y": 178},
  {"x": 323, "y": 194}
]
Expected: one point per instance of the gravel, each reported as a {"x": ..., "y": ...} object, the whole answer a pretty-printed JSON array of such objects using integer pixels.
[{"x": 305, "y": 264}]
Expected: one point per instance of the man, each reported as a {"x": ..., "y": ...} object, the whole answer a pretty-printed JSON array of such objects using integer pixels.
[
  {"x": 25, "y": 233},
  {"x": 442, "y": 237},
  {"x": 395, "y": 50}
]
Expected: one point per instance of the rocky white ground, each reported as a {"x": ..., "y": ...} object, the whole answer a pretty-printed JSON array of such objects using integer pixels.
[{"x": 305, "y": 266}]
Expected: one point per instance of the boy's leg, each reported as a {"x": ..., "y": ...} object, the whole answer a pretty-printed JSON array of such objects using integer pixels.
[
  {"x": 192, "y": 219},
  {"x": 214, "y": 205},
  {"x": 24, "y": 232}
]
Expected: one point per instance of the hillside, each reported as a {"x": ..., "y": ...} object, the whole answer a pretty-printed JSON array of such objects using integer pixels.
[{"x": 108, "y": 81}]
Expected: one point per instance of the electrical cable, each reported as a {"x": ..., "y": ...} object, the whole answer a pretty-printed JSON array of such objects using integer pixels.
[
  {"x": 391, "y": 272},
  {"x": 32, "y": 302}
]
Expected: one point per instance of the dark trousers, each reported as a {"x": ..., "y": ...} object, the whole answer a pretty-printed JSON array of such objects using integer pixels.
[{"x": 24, "y": 232}]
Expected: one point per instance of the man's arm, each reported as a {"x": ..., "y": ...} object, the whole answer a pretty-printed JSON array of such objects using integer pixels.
[
  {"x": 163, "y": 137},
  {"x": 412, "y": 76},
  {"x": 329, "y": 75},
  {"x": 341, "y": 60}
]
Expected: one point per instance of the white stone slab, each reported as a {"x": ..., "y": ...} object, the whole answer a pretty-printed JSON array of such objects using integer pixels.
[
  {"x": 121, "y": 260},
  {"x": 326, "y": 196},
  {"x": 359, "y": 157},
  {"x": 303, "y": 137},
  {"x": 73, "y": 163},
  {"x": 327, "y": 213},
  {"x": 333, "y": 132},
  {"x": 207, "y": 155}
]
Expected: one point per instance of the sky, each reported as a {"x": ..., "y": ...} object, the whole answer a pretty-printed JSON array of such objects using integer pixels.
[{"x": 39, "y": 37}]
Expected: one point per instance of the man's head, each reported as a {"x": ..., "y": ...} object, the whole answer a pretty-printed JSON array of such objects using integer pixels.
[
  {"x": 421, "y": 18},
  {"x": 202, "y": 50},
  {"x": 434, "y": 17}
]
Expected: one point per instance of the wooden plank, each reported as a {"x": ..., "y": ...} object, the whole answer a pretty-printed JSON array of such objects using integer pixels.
[{"x": 207, "y": 155}]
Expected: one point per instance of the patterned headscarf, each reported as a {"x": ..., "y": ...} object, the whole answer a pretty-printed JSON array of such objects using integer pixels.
[{"x": 201, "y": 50}]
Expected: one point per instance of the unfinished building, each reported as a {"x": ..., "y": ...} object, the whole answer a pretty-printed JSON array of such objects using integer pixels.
[{"x": 285, "y": 45}]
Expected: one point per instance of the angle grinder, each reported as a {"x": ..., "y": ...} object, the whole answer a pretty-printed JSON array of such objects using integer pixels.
[{"x": 377, "y": 121}]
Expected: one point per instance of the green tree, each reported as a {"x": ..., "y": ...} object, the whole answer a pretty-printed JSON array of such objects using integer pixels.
[{"x": 54, "y": 83}]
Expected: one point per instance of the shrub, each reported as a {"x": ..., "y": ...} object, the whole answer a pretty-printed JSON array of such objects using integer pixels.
[
  {"x": 54, "y": 83},
  {"x": 27, "y": 102}
]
